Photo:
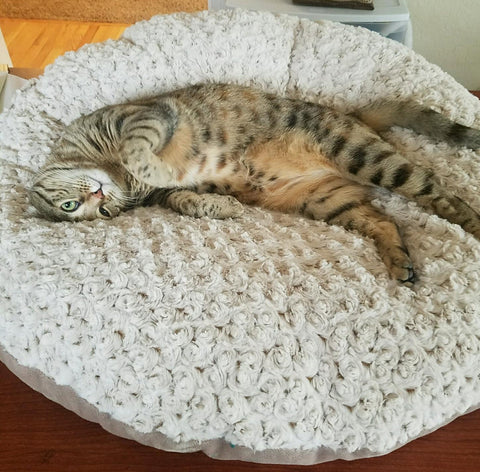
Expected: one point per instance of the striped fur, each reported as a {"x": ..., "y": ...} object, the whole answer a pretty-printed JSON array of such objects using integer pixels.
[{"x": 203, "y": 149}]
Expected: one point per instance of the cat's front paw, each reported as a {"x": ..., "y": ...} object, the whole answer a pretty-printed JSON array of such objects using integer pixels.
[
  {"x": 145, "y": 166},
  {"x": 210, "y": 205},
  {"x": 220, "y": 206}
]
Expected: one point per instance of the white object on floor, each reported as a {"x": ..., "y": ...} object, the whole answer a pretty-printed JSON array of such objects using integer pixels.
[
  {"x": 9, "y": 84},
  {"x": 4, "y": 55}
]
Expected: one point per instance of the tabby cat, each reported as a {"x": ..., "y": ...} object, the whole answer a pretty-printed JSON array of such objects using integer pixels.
[{"x": 203, "y": 149}]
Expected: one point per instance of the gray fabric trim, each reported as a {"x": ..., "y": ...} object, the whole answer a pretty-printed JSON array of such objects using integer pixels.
[{"x": 216, "y": 449}]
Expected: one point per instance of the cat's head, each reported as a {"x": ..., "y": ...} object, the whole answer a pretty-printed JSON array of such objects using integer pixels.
[{"x": 60, "y": 192}]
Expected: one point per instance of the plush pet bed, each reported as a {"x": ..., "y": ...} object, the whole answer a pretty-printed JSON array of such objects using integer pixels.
[{"x": 267, "y": 338}]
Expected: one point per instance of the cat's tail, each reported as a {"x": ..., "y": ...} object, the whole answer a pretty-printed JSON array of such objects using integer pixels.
[{"x": 407, "y": 114}]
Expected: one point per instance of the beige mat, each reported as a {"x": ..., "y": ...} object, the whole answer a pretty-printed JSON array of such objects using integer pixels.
[{"x": 111, "y": 11}]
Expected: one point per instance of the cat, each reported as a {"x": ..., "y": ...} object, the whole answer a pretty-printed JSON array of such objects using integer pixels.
[{"x": 205, "y": 150}]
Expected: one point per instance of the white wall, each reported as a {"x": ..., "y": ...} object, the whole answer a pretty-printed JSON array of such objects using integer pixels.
[{"x": 447, "y": 33}]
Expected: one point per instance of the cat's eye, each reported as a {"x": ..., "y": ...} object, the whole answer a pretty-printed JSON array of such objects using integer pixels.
[
  {"x": 104, "y": 212},
  {"x": 71, "y": 205}
]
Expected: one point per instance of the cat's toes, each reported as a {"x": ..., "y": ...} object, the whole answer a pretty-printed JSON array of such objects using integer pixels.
[
  {"x": 407, "y": 276},
  {"x": 223, "y": 206},
  {"x": 400, "y": 266},
  {"x": 234, "y": 207}
]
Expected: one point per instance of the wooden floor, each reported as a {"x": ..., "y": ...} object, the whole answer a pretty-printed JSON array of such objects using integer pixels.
[
  {"x": 40, "y": 436},
  {"x": 36, "y": 43}
]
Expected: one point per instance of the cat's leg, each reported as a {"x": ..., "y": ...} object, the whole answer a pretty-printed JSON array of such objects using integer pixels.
[
  {"x": 376, "y": 162},
  {"x": 147, "y": 131},
  {"x": 198, "y": 205},
  {"x": 138, "y": 158},
  {"x": 345, "y": 203}
]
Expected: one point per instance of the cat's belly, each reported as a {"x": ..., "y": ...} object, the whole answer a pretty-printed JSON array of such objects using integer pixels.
[{"x": 278, "y": 174}]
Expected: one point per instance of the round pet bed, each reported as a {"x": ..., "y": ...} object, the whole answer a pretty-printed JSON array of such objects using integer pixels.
[{"x": 267, "y": 338}]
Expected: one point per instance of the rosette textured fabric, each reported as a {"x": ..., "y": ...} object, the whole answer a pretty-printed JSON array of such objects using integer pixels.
[{"x": 266, "y": 338}]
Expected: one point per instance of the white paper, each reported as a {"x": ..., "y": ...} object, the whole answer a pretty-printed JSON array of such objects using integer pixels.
[
  {"x": 11, "y": 85},
  {"x": 4, "y": 56}
]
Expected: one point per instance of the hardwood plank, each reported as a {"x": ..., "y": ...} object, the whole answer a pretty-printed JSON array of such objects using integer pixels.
[
  {"x": 9, "y": 28},
  {"x": 39, "y": 435},
  {"x": 37, "y": 43}
]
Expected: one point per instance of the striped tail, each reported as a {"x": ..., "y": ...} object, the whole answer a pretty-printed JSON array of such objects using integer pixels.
[{"x": 383, "y": 115}]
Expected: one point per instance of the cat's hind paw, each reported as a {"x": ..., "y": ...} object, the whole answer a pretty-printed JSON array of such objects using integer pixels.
[{"x": 400, "y": 266}]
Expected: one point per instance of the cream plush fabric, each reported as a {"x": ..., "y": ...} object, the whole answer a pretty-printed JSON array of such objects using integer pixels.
[{"x": 270, "y": 337}]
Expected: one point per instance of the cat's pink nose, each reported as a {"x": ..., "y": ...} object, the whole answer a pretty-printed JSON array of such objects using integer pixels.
[{"x": 98, "y": 193}]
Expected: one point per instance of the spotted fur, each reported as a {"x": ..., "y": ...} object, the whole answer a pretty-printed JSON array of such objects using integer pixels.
[{"x": 203, "y": 149}]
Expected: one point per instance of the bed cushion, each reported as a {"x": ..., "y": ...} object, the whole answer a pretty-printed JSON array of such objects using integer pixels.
[{"x": 267, "y": 338}]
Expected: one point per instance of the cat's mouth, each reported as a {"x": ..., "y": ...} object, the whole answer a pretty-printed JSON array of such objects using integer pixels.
[{"x": 100, "y": 186}]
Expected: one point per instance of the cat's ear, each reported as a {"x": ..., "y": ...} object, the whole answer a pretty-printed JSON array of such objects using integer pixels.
[
  {"x": 53, "y": 122},
  {"x": 57, "y": 127}
]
